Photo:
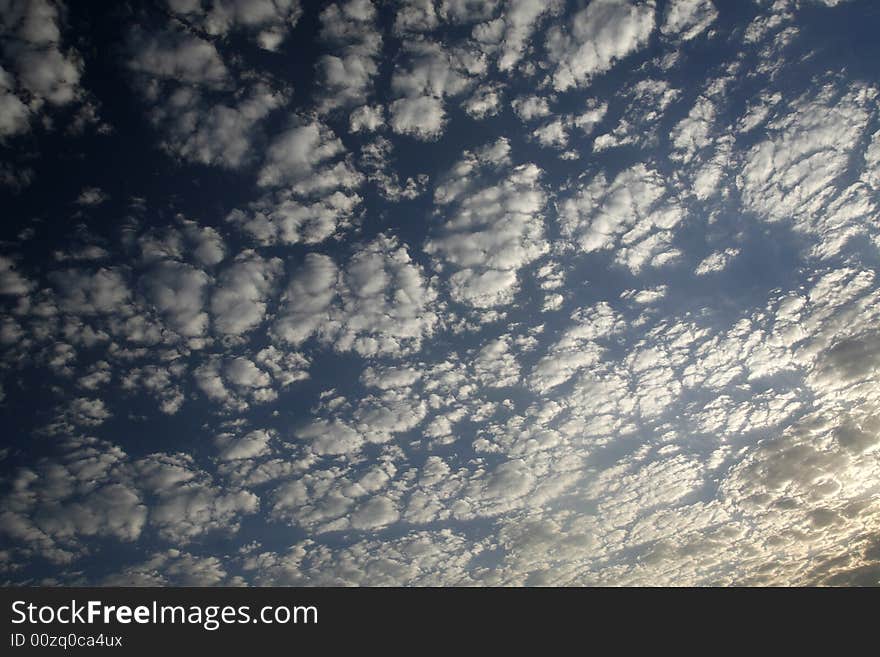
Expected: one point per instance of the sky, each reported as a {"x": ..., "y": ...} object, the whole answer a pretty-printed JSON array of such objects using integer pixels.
[{"x": 440, "y": 292}]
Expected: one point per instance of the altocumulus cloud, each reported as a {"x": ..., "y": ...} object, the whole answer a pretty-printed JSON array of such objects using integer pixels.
[{"x": 432, "y": 292}]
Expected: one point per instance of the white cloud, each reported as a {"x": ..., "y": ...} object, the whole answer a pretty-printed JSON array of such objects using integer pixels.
[
  {"x": 192, "y": 510},
  {"x": 419, "y": 116},
  {"x": 330, "y": 437},
  {"x": 306, "y": 303},
  {"x": 346, "y": 75},
  {"x": 519, "y": 19},
  {"x": 376, "y": 512},
  {"x": 90, "y": 196},
  {"x": 238, "y": 302},
  {"x": 252, "y": 444},
  {"x": 213, "y": 134},
  {"x": 186, "y": 240},
  {"x": 871, "y": 173},
  {"x": 93, "y": 488},
  {"x": 386, "y": 303},
  {"x": 799, "y": 174},
  {"x": 599, "y": 35},
  {"x": 282, "y": 218},
  {"x": 286, "y": 367},
  {"x": 646, "y": 297},
  {"x": 485, "y": 101},
  {"x": 178, "y": 293},
  {"x": 33, "y": 44},
  {"x": 466, "y": 11},
  {"x": 87, "y": 412},
  {"x": 267, "y": 21},
  {"x": 161, "y": 382},
  {"x": 92, "y": 293},
  {"x": 378, "y": 420},
  {"x": 646, "y": 103},
  {"x": 555, "y": 133},
  {"x": 415, "y": 16},
  {"x": 694, "y": 132},
  {"x": 587, "y": 120},
  {"x": 495, "y": 365},
  {"x": 578, "y": 347},
  {"x": 376, "y": 161},
  {"x": 552, "y": 134},
  {"x": 494, "y": 225},
  {"x": 181, "y": 76},
  {"x": 443, "y": 557},
  {"x": 687, "y": 19},
  {"x": 306, "y": 157},
  {"x": 366, "y": 118},
  {"x": 14, "y": 114},
  {"x": 98, "y": 375},
  {"x": 379, "y": 303},
  {"x": 171, "y": 568},
  {"x": 434, "y": 70},
  {"x": 178, "y": 56},
  {"x": 243, "y": 373},
  {"x": 716, "y": 261},
  {"x": 235, "y": 381},
  {"x": 11, "y": 281},
  {"x": 531, "y": 107},
  {"x": 205, "y": 244},
  {"x": 312, "y": 177},
  {"x": 792, "y": 172},
  {"x": 432, "y": 73},
  {"x": 758, "y": 111},
  {"x": 209, "y": 380},
  {"x": 634, "y": 212},
  {"x": 338, "y": 497},
  {"x": 711, "y": 172}
]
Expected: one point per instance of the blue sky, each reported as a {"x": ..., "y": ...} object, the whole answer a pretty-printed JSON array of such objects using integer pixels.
[{"x": 440, "y": 292}]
